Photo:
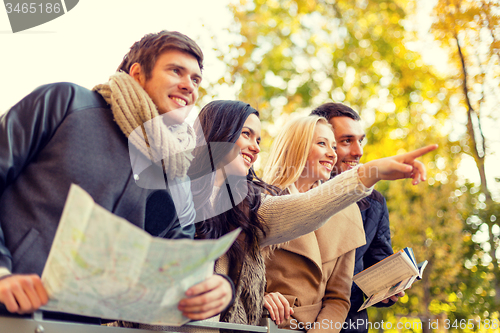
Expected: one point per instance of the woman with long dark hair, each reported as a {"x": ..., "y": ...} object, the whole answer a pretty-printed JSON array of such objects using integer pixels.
[{"x": 222, "y": 172}]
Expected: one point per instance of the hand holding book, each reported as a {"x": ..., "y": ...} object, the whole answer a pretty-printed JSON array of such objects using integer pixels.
[
  {"x": 393, "y": 298},
  {"x": 389, "y": 277}
]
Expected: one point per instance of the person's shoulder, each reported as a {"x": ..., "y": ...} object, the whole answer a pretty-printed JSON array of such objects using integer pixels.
[
  {"x": 374, "y": 201},
  {"x": 70, "y": 93},
  {"x": 377, "y": 197},
  {"x": 60, "y": 88}
]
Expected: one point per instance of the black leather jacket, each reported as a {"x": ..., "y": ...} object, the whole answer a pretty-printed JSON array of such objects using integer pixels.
[{"x": 57, "y": 135}]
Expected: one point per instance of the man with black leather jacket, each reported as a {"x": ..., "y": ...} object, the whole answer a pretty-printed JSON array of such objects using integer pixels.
[
  {"x": 63, "y": 133},
  {"x": 350, "y": 136}
]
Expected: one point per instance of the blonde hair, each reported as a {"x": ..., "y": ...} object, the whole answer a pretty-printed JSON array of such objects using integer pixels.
[{"x": 290, "y": 150}]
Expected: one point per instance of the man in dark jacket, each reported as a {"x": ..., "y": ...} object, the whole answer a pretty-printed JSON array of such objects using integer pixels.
[
  {"x": 350, "y": 136},
  {"x": 63, "y": 133}
]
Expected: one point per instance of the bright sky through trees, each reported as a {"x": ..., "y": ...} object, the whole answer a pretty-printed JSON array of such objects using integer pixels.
[{"x": 86, "y": 45}]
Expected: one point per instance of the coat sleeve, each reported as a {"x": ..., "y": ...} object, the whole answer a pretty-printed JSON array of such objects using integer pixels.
[
  {"x": 337, "y": 294},
  {"x": 381, "y": 247},
  {"x": 24, "y": 130},
  {"x": 288, "y": 217}
]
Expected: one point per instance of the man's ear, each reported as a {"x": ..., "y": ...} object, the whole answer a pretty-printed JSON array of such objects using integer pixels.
[{"x": 137, "y": 74}]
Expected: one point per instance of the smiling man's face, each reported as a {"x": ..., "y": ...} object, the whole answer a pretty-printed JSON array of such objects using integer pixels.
[
  {"x": 350, "y": 138},
  {"x": 174, "y": 82}
]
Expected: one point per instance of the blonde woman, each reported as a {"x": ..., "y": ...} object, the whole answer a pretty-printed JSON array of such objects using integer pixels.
[{"x": 310, "y": 277}]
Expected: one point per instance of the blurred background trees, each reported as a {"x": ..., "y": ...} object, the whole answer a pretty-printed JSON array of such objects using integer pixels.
[
  {"x": 469, "y": 31},
  {"x": 293, "y": 55}
]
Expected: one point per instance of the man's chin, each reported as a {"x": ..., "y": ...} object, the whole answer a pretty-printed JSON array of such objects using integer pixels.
[{"x": 176, "y": 116}]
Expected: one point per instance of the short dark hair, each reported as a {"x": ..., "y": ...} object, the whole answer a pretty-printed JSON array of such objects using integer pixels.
[
  {"x": 146, "y": 51},
  {"x": 332, "y": 110}
]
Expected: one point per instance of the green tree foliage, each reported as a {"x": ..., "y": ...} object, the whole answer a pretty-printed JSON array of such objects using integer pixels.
[
  {"x": 470, "y": 31},
  {"x": 429, "y": 218},
  {"x": 477, "y": 296},
  {"x": 298, "y": 54}
]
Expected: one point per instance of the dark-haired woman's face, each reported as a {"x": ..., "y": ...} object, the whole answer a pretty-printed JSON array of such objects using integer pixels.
[{"x": 248, "y": 142}]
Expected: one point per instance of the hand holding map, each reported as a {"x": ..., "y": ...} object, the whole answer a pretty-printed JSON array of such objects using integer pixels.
[{"x": 100, "y": 265}]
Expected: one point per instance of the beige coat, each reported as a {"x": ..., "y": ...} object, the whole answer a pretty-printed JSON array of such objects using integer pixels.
[{"x": 314, "y": 272}]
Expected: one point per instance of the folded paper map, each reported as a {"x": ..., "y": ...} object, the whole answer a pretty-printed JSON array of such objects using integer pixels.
[{"x": 102, "y": 266}]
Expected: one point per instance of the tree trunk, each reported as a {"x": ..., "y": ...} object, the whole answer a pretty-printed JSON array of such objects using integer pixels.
[
  {"x": 480, "y": 159},
  {"x": 426, "y": 317}
]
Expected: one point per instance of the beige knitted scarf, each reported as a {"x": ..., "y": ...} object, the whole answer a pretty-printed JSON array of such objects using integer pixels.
[{"x": 138, "y": 118}]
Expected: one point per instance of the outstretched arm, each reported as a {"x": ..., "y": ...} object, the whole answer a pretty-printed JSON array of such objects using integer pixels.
[{"x": 290, "y": 216}]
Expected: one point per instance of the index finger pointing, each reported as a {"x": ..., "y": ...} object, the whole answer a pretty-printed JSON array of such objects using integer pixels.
[{"x": 422, "y": 151}]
